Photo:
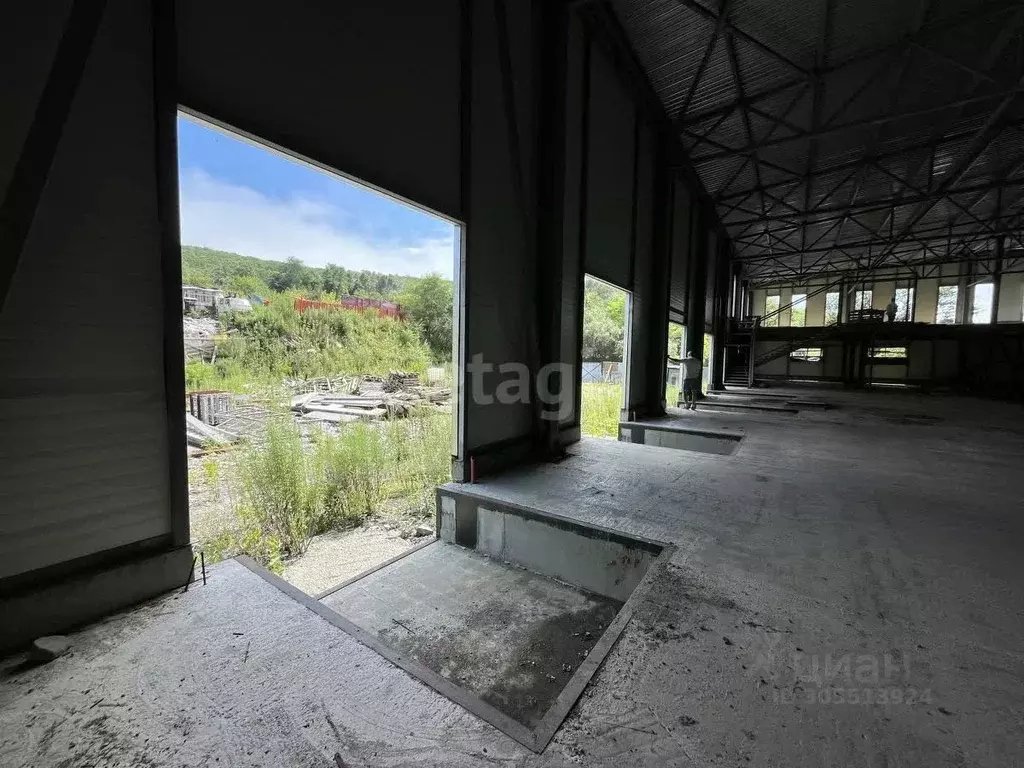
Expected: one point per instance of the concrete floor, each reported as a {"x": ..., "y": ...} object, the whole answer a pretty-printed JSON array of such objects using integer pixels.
[
  {"x": 511, "y": 637},
  {"x": 870, "y": 552}
]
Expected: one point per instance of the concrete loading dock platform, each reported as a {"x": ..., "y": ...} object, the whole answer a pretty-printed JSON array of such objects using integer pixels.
[
  {"x": 783, "y": 557},
  {"x": 772, "y": 176}
]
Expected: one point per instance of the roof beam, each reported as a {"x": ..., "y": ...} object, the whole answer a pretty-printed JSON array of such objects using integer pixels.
[
  {"x": 870, "y": 122},
  {"x": 693, "y": 5},
  {"x": 825, "y": 214},
  {"x": 974, "y": 16},
  {"x": 854, "y": 164}
]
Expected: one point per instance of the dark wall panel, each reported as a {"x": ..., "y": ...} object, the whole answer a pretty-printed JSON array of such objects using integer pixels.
[
  {"x": 710, "y": 280},
  {"x": 369, "y": 89},
  {"x": 501, "y": 306},
  {"x": 25, "y": 67},
  {"x": 84, "y": 465},
  {"x": 609, "y": 175},
  {"x": 574, "y": 194},
  {"x": 643, "y": 368},
  {"x": 679, "y": 269}
]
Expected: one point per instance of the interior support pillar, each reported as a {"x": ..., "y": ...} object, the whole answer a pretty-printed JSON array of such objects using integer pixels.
[{"x": 695, "y": 297}]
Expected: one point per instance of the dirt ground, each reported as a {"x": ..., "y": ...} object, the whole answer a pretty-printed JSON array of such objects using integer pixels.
[{"x": 210, "y": 496}]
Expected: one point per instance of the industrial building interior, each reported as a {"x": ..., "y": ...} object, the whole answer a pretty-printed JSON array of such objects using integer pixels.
[{"x": 817, "y": 566}]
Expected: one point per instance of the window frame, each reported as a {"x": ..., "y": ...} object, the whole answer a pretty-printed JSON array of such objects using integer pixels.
[
  {"x": 938, "y": 303},
  {"x": 774, "y": 323},
  {"x": 802, "y": 297}
]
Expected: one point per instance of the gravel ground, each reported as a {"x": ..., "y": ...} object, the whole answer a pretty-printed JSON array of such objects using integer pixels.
[{"x": 334, "y": 557}]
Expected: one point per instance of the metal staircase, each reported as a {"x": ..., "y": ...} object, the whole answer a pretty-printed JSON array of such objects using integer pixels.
[
  {"x": 790, "y": 346},
  {"x": 738, "y": 375},
  {"x": 739, "y": 347}
]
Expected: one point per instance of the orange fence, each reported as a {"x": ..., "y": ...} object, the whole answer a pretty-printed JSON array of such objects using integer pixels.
[{"x": 356, "y": 303}]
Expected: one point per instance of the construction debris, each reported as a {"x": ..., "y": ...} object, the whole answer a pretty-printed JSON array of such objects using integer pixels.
[
  {"x": 199, "y": 336},
  {"x": 219, "y": 419},
  {"x": 246, "y": 420},
  {"x": 209, "y": 406},
  {"x": 373, "y": 399},
  {"x": 49, "y": 648},
  {"x": 397, "y": 382},
  {"x": 202, "y": 435},
  {"x": 334, "y": 384}
]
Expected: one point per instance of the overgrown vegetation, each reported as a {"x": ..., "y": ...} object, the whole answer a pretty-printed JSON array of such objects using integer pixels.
[
  {"x": 275, "y": 342},
  {"x": 294, "y": 485},
  {"x": 248, "y": 275},
  {"x": 290, "y": 488},
  {"x": 427, "y": 300},
  {"x": 604, "y": 321},
  {"x": 602, "y": 403}
]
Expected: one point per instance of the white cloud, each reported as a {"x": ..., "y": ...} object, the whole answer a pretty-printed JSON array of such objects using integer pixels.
[{"x": 217, "y": 214}]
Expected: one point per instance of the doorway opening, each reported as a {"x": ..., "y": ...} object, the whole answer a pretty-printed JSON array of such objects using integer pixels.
[
  {"x": 673, "y": 370},
  {"x": 605, "y": 350},
  {"x": 708, "y": 360},
  {"x": 318, "y": 318}
]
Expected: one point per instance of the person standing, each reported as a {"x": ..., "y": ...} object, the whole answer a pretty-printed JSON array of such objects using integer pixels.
[
  {"x": 891, "y": 310},
  {"x": 691, "y": 368}
]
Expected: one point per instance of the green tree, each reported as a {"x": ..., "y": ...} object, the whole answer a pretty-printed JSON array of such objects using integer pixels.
[
  {"x": 675, "y": 339},
  {"x": 428, "y": 303},
  {"x": 291, "y": 275},
  {"x": 198, "y": 278},
  {"x": 247, "y": 285},
  {"x": 335, "y": 279},
  {"x": 604, "y": 321}
]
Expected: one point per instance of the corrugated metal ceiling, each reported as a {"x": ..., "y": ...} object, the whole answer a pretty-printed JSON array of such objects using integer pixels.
[{"x": 873, "y": 124}]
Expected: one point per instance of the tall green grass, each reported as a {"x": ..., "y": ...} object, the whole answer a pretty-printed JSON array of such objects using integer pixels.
[
  {"x": 671, "y": 395},
  {"x": 289, "y": 492},
  {"x": 602, "y": 403},
  {"x": 351, "y": 469},
  {"x": 281, "y": 491}
]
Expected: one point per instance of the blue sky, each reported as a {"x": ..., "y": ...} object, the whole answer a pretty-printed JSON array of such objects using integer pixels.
[{"x": 242, "y": 198}]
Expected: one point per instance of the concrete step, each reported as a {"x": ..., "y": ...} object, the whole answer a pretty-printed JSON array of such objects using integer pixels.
[{"x": 727, "y": 405}]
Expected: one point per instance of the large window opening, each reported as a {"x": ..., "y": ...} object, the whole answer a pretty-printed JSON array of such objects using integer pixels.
[
  {"x": 945, "y": 309},
  {"x": 675, "y": 352},
  {"x": 831, "y": 307},
  {"x": 982, "y": 296},
  {"x": 318, "y": 321},
  {"x": 862, "y": 299},
  {"x": 904, "y": 305},
  {"x": 798, "y": 312},
  {"x": 807, "y": 354},
  {"x": 888, "y": 354},
  {"x": 771, "y": 311},
  {"x": 707, "y": 361},
  {"x": 606, "y": 310}
]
